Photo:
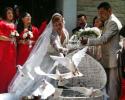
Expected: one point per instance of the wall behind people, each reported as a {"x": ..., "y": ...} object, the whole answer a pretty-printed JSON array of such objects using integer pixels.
[
  {"x": 40, "y": 10},
  {"x": 88, "y": 7}
]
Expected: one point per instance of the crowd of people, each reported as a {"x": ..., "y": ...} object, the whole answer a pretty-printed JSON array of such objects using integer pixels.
[
  {"x": 16, "y": 42},
  {"x": 21, "y": 43}
]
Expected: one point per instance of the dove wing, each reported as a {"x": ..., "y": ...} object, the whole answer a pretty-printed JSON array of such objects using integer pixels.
[
  {"x": 62, "y": 60},
  {"x": 49, "y": 90},
  {"x": 44, "y": 92},
  {"x": 57, "y": 93},
  {"x": 78, "y": 56},
  {"x": 40, "y": 72},
  {"x": 84, "y": 90},
  {"x": 67, "y": 75},
  {"x": 53, "y": 76}
]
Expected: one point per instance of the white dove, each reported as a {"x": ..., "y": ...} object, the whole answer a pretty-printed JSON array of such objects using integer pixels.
[
  {"x": 45, "y": 90},
  {"x": 57, "y": 93},
  {"x": 71, "y": 64},
  {"x": 23, "y": 74},
  {"x": 20, "y": 82},
  {"x": 57, "y": 76},
  {"x": 86, "y": 91}
]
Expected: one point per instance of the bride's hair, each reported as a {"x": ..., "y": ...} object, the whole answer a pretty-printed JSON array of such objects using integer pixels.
[{"x": 57, "y": 18}]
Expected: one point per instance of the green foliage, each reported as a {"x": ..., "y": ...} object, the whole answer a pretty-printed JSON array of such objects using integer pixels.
[{"x": 86, "y": 34}]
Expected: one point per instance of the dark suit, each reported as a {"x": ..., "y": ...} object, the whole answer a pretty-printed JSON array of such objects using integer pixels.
[{"x": 78, "y": 28}]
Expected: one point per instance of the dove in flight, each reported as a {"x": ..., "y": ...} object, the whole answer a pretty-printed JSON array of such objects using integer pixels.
[
  {"x": 86, "y": 91},
  {"x": 57, "y": 93},
  {"x": 71, "y": 64},
  {"x": 20, "y": 80},
  {"x": 45, "y": 90},
  {"x": 23, "y": 74},
  {"x": 57, "y": 76}
]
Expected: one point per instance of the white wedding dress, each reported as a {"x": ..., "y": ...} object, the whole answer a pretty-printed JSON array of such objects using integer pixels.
[{"x": 26, "y": 80}]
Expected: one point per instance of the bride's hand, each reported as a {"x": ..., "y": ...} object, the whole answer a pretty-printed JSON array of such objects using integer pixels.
[
  {"x": 83, "y": 40},
  {"x": 63, "y": 50}
]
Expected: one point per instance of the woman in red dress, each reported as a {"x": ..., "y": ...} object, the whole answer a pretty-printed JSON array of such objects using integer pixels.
[
  {"x": 42, "y": 26},
  {"x": 7, "y": 49},
  {"x": 28, "y": 36}
]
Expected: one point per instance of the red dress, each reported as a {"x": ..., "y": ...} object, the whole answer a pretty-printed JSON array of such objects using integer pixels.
[
  {"x": 24, "y": 47},
  {"x": 7, "y": 56},
  {"x": 42, "y": 27}
]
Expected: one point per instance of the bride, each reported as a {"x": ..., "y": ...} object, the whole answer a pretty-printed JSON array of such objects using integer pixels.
[{"x": 53, "y": 41}]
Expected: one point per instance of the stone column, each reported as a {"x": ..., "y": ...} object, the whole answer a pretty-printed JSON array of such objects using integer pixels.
[{"x": 69, "y": 9}]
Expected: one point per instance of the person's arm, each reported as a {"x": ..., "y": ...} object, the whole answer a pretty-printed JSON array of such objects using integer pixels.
[
  {"x": 36, "y": 32},
  {"x": 111, "y": 30},
  {"x": 2, "y": 37},
  {"x": 55, "y": 43}
]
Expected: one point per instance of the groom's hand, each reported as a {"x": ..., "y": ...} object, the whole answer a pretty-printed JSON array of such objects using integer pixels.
[{"x": 83, "y": 40}]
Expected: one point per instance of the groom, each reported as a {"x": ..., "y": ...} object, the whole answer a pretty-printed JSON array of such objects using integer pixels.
[{"x": 109, "y": 42}]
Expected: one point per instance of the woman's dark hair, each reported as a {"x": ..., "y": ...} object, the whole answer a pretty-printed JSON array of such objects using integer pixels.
[
  {"x": 80, "y": 15},
  {"x": 20, "y": 25},
  {"x": 4, "y": 15},
  {"x": 104, "y": 5},
  {"x": 17, "y": 8},
  {"x": 94, "y": 20}
]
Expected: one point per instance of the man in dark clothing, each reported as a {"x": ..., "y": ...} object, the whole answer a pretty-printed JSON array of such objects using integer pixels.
[{"x": 81, "y": 23}]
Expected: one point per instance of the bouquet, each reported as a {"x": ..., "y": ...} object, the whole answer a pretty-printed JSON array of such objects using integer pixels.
[
  {"x": 93, "y": 32},
  {"x": 14, "y": 34},
  {"x": 28, "y": 35},
  {"x": 74, "y": 42}
]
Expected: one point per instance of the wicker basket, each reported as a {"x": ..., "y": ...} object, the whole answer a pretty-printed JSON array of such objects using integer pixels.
[{"x": 93, "y": 76}]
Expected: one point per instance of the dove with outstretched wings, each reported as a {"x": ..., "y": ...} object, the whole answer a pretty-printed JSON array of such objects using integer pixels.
[
  {"x": 57, "y": 76},
  {"x": 45, "y": 90},
  {"x": 71, "y": 64},
  {"x": 86, "y": 91}
]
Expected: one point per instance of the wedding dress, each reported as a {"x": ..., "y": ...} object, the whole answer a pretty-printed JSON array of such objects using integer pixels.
[{"x": 48, "y": 44}]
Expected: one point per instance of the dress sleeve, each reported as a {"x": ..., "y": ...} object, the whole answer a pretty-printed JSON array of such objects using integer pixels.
[
  {"x": 55, "y": 43},
  {"x": 1, "y": 27},
  {"x": 111, "y": 30},
  {"x": 36, "y": 33}
]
